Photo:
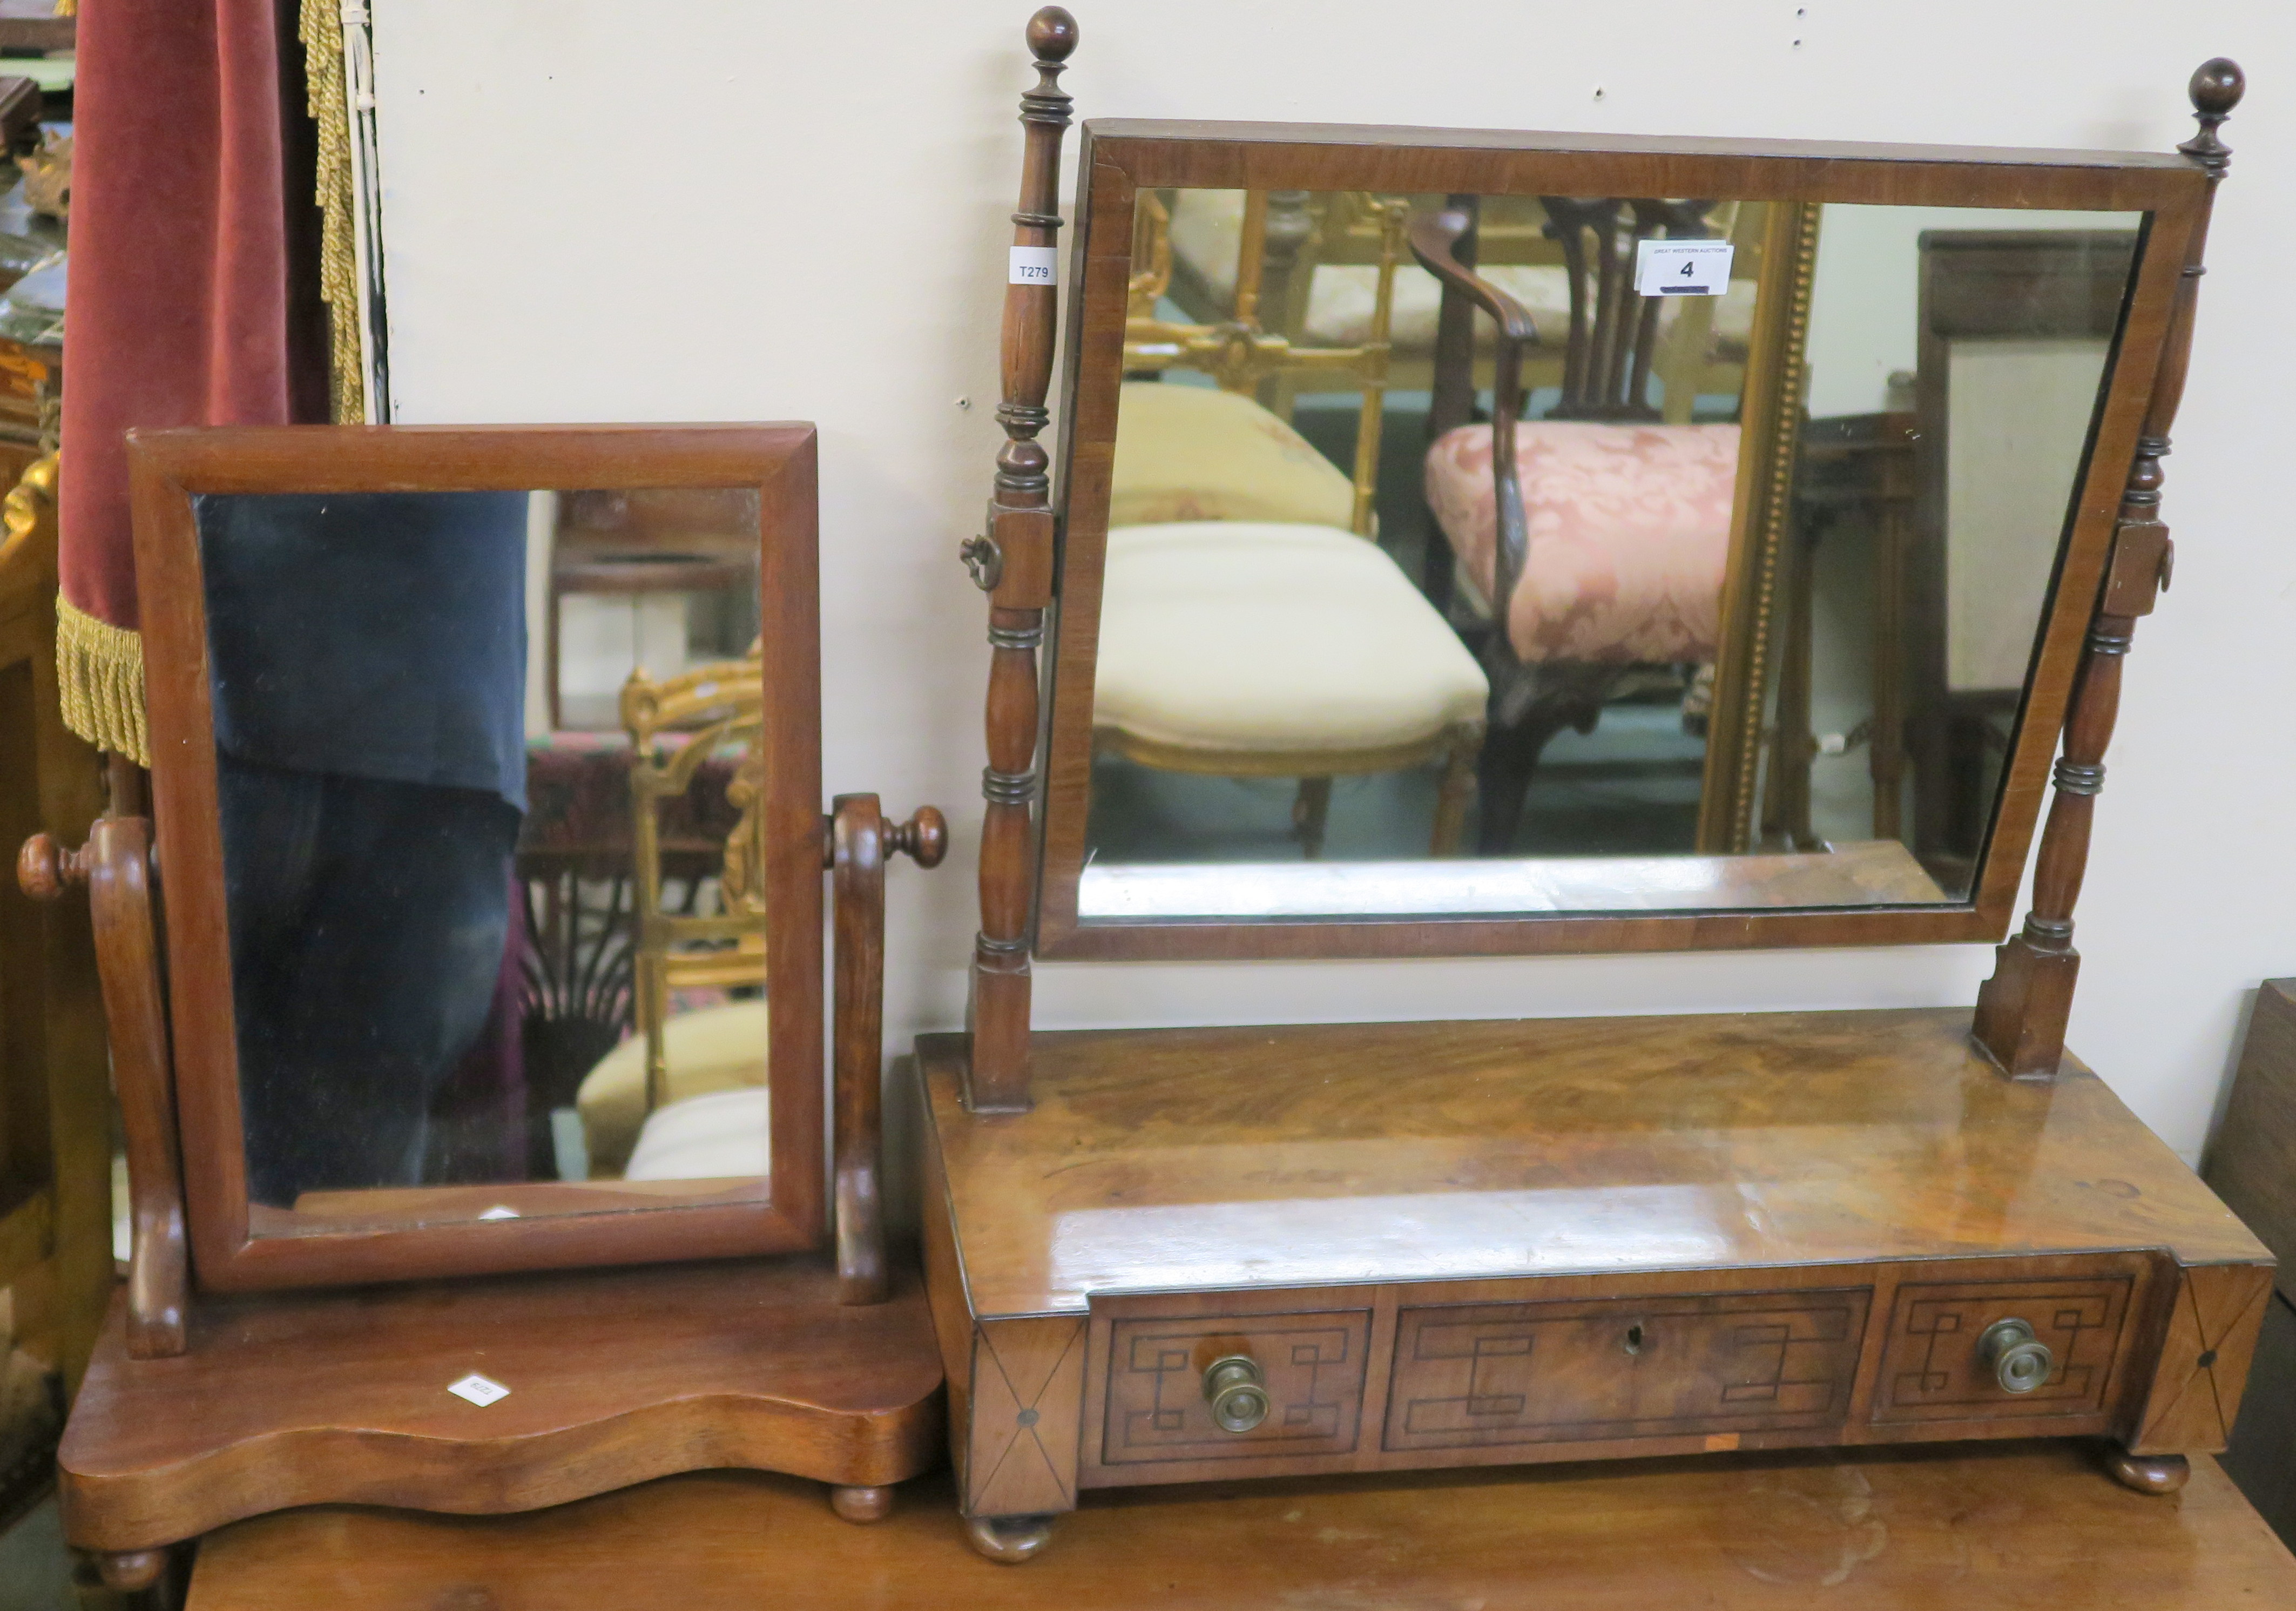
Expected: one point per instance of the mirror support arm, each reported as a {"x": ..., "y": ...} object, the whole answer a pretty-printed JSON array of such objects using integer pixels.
[
  {"x": 2022, "y": 1009},
  {"x": 116, "y": 867},
  {"x": 860, "y": 839},
  {"x": 1013, "y": 562}
]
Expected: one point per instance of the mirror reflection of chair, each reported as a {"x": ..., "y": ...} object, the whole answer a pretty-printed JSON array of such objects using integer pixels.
[
  {"x": 1319, "y": 275},
  {"x": 689, "y": 548},
  {"x": 1251, "y": 628},
  {"x": 634, "y": 1103},
  {"x": 1596, "y": 539}
]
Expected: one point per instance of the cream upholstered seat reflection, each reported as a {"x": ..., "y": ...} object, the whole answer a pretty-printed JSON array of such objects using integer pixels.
[
  {"x": 1248, "y": 627},
  {"x": 676, "y": 1057},
  {"x": 716, "y": 1049},
  {"x": 1248, "y": 648},
  {"x": 1199, "y": 453}
]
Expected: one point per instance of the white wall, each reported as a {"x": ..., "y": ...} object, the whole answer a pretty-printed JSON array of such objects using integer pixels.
[{"x": 729, "y": 208}]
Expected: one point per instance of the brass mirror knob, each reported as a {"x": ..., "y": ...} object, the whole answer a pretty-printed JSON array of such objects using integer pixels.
[
  {"x": 2018, "y": 1361},
  {"x": 1237, "y": 1391}
]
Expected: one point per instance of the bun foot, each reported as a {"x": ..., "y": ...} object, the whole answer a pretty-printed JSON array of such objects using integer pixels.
[
  {"x": 862, "y": 1504},
  {"x": 2148, "y": 1473},
  {"x": 131, "y": 1570},
  {"x": 1008, "y": 1539}
]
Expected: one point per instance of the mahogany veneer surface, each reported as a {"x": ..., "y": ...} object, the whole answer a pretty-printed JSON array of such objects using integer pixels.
[
  {"x": 1544, "y": 1241},
  {"x": 1162, "y": 1159},
  {"x": 615, "y": 1377},
  {"x": 2012, "y": 1524}
]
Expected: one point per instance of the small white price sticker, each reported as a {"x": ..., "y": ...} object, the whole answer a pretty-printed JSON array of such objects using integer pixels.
[
  {"x": 1682, "y": 268},
  {"x": 482, "y": 1391},
  {"x": 1032, "y": 266}
]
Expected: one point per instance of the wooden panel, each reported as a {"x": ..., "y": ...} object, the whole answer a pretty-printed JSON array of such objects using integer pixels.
[
  {"x": 1156, "y": 1411},
  {"x": 2204, "y": 1357},
  {"x": 1624, "y": 1368},
  {"x": 615, "y": 1377},
  {"x": 1931, "y": 1367},
  {"x": 2004, "y": 1525},
  {"x": 2252, "y": 1162},
  {"x": 1189, "y": 1160},
  {"x": 1027, "y": 1386}
]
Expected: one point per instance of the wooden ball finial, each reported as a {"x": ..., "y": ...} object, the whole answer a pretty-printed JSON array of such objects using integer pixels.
[
  {"x": 924, "y": 837},
  {"x": 2216, "y": 89},
  {"x": 44, "y": 869},
  {"x": 1052, "y": 34}
]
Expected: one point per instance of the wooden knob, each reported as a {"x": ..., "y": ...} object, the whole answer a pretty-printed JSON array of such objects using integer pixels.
[
  {"x": 2216, "y": 86},
  {"x": 924, "y": 837},
  {"x": 44, "y": 869},
  {"x": 1053, "y": 36}
]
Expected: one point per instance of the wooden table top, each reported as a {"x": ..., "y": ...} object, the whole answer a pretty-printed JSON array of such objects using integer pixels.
[
  {"x": 2025, "y": 1525},
  {"x": 1331, "y": 1154}
]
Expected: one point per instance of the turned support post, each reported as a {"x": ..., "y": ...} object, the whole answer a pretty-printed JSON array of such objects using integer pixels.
[
  {"x": 2021, "y": 1010},
  {"x": 1013, "y": 562}
]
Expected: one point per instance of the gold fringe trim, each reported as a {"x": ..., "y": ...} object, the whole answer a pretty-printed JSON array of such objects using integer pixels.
[
  {"x": 100, "y": 677},
  {"x": 321, "y": 26}
]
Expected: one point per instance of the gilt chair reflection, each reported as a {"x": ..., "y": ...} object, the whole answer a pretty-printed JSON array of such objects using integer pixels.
[
  {"x": 1595, "y": 540},
  {"x": 1319, "y": 276},
  {"x": 684, "y": 1097},
  {"x": 1251, "y": 628}
]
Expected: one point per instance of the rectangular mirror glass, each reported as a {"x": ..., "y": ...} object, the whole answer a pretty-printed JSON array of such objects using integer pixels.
[
  {"x": 1788, "y": 490},
  {"x": 488, "y": 767}
]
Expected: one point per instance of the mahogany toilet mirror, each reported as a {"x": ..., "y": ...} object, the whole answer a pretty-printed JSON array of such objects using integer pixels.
[
  {"x": 348, "y": 960},
  {"x": 1799, "y": 567}
]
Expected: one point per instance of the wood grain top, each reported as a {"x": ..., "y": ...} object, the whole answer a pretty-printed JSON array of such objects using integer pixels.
[
  {"x": 615, "y": 1377},
  {"x": 2035, "y": 1525},
  {"x": 1187, "y": 1159},
  {"x": 1644, "y": 145}
]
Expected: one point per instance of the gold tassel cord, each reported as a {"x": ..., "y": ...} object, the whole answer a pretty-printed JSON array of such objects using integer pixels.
[
  {"x": 321, "y": 26},
  {"x": 99, "y": 682}
]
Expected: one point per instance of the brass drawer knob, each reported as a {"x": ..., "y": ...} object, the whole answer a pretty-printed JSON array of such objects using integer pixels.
[
  {"x": 2020, "y": 1362},
  {"x": 1237, "y": 1391}
]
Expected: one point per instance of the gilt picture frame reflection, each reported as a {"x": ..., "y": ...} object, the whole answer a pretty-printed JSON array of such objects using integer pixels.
[
  {"x": 455, "y": 987},
  {"x": 1286, "y": 716}
]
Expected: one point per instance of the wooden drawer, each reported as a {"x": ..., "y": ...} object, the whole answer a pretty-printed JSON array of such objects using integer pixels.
[
  {"x": 1931, "y": 1368},
  {"x": 1313, "y": 1363},
  {"x": 1491, "y": 1375}
]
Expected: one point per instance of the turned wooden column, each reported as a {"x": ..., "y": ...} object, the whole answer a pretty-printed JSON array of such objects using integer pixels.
[
  {"x": 1013, "y": 562},
  {"x": 2021, "y": 1010}
]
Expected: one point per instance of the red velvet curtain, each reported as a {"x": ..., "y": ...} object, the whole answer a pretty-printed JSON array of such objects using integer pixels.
[{"x": 194, "y": 254}]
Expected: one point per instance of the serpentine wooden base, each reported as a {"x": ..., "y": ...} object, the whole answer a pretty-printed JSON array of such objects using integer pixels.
[
  {"x": 1437, "y": 1244},
  {"x": 615, "y": 1377},
  {"x": 2005, "y": 1524}
]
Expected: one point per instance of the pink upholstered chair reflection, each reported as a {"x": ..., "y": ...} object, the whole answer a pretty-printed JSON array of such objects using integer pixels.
[{"x": 1595, "y": 540}]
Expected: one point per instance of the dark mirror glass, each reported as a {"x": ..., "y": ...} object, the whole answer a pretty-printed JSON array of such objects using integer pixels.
[{"x": 487, "y": 763}]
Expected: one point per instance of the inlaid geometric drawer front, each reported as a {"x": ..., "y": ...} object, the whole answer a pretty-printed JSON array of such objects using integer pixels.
[
  {"x": 1934, "y": 1369},
  {"x": 1490, "y": 1375},
  {"x": 1312, "y": 1365}
]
